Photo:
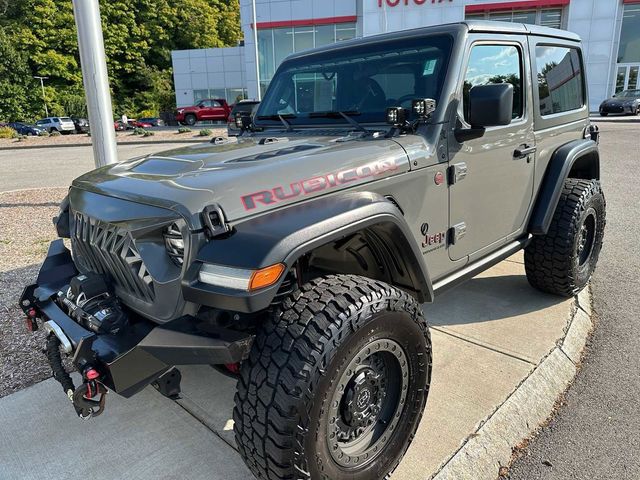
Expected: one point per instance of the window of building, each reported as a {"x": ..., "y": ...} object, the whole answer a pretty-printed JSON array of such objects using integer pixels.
[
  {"x": 629, "y": 50},
  {"x": 494, "y": 64},
  {"x": 560, "y": 79},
  {"x": 547, "y": 17},
  {"x": 232, "y": 95},
  {"x": 276, "y": 44}
]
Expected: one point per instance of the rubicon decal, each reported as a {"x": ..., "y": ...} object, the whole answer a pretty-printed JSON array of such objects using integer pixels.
[{"x": 317, "y": 184}]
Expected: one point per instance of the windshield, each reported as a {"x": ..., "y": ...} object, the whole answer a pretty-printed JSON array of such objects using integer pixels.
[
  {"x": 361, "y": 81},
  {"x": 629, "y": 94}
]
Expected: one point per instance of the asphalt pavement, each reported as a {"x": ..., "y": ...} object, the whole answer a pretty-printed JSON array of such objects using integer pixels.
[
  {"x": 57, "y": 167},
  {"x": 596, "y": 434}
]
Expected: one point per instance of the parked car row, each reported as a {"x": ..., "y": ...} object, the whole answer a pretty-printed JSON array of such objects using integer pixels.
[
  {"x": 148, "y": 122},
  {"x": 216, "y": 109}
]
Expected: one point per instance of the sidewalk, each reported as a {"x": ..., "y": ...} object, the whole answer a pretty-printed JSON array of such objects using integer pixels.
[{"x": 488, "y": 336}]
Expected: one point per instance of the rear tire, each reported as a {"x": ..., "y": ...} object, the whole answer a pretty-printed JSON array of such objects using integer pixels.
[
  {"x": 562, "y": 261},
  {"x": 604, "y": 114},
  {"x": 336, "y": 383}
]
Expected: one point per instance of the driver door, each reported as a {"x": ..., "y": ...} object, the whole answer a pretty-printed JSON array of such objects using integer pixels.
[{"x": 493, "y": 183}]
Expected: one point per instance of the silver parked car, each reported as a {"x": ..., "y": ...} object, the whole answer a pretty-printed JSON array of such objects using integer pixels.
[{"x": 63, "y": 125}]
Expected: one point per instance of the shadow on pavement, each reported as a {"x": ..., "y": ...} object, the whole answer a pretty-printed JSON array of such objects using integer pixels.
[{"x": 485, "y": 299}]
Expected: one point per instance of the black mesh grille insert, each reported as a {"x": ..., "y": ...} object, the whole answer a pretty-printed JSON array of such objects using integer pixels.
[{"x": 103, "y": 248}]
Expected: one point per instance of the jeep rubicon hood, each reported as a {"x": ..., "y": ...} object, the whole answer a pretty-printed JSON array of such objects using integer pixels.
[{"x": 248, "y": 176}]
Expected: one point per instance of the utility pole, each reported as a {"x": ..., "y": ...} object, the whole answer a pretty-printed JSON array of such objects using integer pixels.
[
  {"x": 96, "y": 81},
  {"x": 255, "y": 46},
  {"x": 44, "y": 97}
]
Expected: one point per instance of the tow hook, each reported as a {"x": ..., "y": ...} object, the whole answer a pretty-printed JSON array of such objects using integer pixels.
[{"x": 89, "y": 398}]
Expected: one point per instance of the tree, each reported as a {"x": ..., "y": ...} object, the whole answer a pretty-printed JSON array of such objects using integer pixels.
[
  {"x": 139, "y": 36},
  {"x": 17, "y": 93}
]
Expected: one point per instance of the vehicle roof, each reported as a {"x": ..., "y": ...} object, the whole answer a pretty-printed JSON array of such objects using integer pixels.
[{"x": 471, "y": 26}]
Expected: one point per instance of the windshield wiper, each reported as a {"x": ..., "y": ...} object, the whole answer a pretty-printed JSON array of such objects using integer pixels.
[
  {"x": 281, "y": 117},
  {"x": 346, "y": 115}
]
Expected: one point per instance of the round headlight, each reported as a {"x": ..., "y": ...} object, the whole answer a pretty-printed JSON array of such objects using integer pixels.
[{"x": 174, "y": 243}]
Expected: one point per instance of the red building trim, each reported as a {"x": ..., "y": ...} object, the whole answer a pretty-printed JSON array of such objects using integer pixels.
[
  {"x": 308, "y": 22},
  {"x": 492, "y": 7}
]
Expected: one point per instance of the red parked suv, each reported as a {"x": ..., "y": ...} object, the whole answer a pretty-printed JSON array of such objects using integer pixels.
[{"x": 208, "y": 109}]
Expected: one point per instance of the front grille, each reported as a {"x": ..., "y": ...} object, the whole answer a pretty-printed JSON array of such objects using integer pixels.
[{"x": 101, "y": 247}]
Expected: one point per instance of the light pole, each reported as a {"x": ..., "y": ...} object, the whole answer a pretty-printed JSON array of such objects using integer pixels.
[
  {"x": 255, "y": 45},
  {"x": 96, "y": 81},
  {"x": 44, "y": 97}
]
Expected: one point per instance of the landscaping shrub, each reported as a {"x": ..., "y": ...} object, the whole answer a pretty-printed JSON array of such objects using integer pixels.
[
  {"x": 205, "y": 133},
  {"x": 7, "y": 132},
  {"x": 55, "y": 134},
  {"x": 138, "y": 131},
  {"x": 184, "y": 130},
  {"x": 147, "y": 133}
]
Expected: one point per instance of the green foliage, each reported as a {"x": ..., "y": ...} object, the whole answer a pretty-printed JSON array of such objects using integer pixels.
[
  {"x": 7, "y": 132},
  {"x": 17, "y": 92},
  {"x": 148, "y": 133},
  {"x": 184, "y": 130},
  {"x": 55, "y": 134},
  {"x": 138, "y": 131},
  {"x": 38, "y": 37},
  {"x": 205, "y": 133}
]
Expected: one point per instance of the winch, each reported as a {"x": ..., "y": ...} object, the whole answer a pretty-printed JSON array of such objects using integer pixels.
[{"x": 90, "y": 302}]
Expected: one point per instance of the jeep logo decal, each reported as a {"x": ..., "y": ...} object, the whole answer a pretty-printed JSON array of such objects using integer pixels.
[{"x": 316, "y": 184}]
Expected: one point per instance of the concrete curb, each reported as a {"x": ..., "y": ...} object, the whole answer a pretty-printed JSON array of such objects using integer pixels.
[
  {"x": 73, "y": 145},
  {"x": 529, "y": 405}
]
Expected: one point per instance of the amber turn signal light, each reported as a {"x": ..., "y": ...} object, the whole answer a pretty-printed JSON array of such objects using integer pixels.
[{"x": 265, "y": 277}]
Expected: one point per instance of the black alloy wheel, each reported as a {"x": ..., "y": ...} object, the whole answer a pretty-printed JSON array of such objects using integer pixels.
[{"x": 335, "y": 384}]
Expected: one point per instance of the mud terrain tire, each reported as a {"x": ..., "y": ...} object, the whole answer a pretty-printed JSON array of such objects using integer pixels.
[
  {"x": 562, "y": 261},
  {"x": 343, "y": 361}
]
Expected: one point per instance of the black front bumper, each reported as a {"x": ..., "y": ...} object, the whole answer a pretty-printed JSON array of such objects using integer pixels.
[
  {"x": 139, "y": 354},
  {"x": 617, "y": 109}
]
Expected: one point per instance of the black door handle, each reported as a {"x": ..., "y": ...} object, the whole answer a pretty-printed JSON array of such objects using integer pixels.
[{"x": 524, "y": 151}]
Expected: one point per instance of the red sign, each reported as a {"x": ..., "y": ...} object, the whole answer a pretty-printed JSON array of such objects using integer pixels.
[{"x": 395, "y": 3}]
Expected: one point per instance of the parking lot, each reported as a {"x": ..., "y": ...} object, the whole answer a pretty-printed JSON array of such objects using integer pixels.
[{"x": 491, "y": 336}]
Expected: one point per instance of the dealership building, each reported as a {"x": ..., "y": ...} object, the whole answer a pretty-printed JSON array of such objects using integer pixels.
[{"x": 610, "y": 31}]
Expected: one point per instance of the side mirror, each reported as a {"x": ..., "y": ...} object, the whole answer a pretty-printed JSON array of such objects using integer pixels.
[{"x": 489, "y": 106}]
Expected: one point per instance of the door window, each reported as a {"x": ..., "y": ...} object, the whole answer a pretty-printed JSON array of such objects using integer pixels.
[
  {"x": 494, "y": 64},
  {"x": 560, "y": 79}
]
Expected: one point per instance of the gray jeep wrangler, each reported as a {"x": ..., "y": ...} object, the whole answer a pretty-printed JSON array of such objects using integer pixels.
[{"x": 376, "y": 174}]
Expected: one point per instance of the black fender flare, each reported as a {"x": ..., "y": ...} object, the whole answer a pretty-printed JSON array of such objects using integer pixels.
[
  {"x": 283, "y": 236},
  {"x": 578, "y": 159}
]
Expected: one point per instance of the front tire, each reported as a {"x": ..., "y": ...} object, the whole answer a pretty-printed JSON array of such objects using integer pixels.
[
  {"x": 190, "y": 120},
  {"x": 336, "y": 382},
  {"x": 562, "y": 261}
]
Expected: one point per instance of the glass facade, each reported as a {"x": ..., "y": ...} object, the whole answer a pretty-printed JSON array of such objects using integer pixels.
[
  {"x": 276, "y": 44},
  {"x": 547, "y": 17},
  {"x": 232, "y": 95},
  {"x": 629, "y": 51}
]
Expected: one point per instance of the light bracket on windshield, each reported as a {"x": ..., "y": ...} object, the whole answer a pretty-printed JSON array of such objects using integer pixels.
[{"x": 398, "y": 117}]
